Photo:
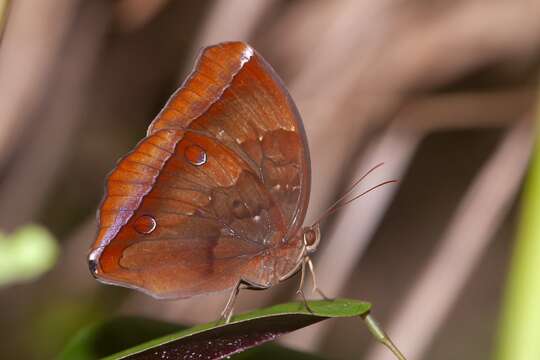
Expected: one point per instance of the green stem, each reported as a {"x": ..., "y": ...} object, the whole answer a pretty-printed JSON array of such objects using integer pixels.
[
  {"x": 379, "y": 335},
  {"x": 519, "y": 331}
]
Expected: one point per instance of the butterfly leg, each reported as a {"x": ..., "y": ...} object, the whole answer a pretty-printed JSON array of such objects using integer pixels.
[
  {"x": 301, "y": 285},
  {"x": 315, "y": 287},
  {"x": 227, "y": 312}
]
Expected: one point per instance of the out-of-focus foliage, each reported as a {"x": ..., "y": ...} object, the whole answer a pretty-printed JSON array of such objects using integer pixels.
[
  {"x": 114, "y": 335},
  {"x": 65, "y": 316},
  {"x": 26, "y": 254},
  {"x": 520, "y": 324}
]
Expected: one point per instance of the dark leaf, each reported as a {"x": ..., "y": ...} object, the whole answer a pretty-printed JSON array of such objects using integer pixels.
[{"x": 272, "y": 351}]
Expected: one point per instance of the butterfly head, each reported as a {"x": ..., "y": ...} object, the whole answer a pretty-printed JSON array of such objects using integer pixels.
[{"x": 312, "y": 237}]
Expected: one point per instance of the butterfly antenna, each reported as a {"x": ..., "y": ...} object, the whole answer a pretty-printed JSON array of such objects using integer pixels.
[
  {"x": 354, "y": 184},
  {"x": 347, "y": 202},
  {"x": 347, "y": 192}
]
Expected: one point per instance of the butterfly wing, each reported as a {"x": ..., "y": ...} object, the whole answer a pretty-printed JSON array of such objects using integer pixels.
[{"x": 221, "y": 178}]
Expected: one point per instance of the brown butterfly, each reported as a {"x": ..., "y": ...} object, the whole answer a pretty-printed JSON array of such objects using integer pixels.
[{"x": 214, "y": 197}]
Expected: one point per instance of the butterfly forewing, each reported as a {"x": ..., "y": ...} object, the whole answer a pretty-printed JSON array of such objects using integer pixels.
[{"x": 236, "y": 96}]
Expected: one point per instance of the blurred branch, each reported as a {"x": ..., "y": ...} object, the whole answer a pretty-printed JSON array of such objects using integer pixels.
[
  {"x": 25, "y": 186},
  {"x": 520, "y": 323},
  {"x": 435, "y": 47},
  {"x": 424, "y": 47},
  {"x": 361, "y": 23},
  {"x": 30, "y": 45},
  {"x": 229, "y": 20},
  {"x": 133, "y": 14},
  {"x": 476, "y": 220},
  {"x": 467, "y": 109}
]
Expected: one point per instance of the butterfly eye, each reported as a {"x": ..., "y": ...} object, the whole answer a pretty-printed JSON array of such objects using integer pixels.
[
  {"x": 145, "y": 224},
  {"x": 310, "y": 237},
  {"x": 195, "y": 155}
]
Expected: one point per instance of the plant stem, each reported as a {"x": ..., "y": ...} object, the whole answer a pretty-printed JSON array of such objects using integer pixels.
[
  {"x": 519, "y": 328},
  {"x": 379, "y": 335}
]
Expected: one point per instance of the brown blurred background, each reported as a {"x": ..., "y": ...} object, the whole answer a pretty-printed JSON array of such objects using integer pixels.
[{"x": 441, "y": 91}]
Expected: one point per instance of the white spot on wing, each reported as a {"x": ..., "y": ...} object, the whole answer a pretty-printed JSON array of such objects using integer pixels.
[{"x": 246, "y": 55}]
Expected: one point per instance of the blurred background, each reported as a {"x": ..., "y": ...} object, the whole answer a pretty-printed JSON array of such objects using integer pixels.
[{"x": 442, "y": 92}]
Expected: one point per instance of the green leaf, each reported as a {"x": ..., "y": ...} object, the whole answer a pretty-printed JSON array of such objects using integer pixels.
[
  {"x": 217, "y": 340},
  {"x": 26, "y": 254}
]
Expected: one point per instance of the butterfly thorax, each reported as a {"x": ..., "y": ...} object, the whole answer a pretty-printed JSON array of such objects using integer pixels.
[{"x": 284, "y": 260}]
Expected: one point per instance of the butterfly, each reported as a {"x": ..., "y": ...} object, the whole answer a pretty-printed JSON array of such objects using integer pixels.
[{"x": 215, "y": 196}]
